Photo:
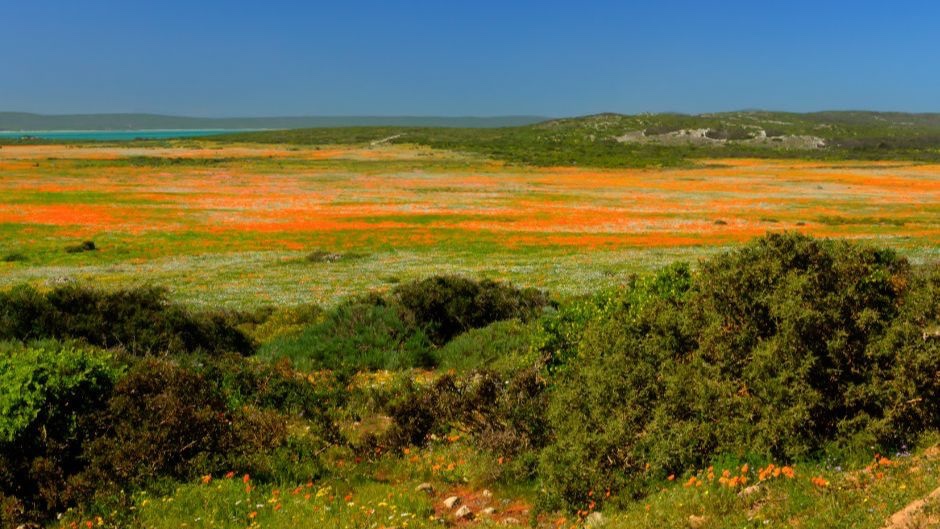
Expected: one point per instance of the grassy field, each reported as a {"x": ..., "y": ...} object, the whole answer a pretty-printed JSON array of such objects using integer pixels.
[{"x": 233, "y": 224}]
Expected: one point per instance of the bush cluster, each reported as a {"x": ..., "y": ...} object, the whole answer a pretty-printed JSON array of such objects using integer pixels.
[
  {"x": 445, "y": 306},
  {"x": 408, "y": 328},
  {"x": 141, "y": 321},
  {"x": 782, "y": 349},
  {"x": 78, "y": 425}
]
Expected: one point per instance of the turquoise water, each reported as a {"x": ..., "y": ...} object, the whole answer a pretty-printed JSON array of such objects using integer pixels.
[{"x": 114, "y": 135}]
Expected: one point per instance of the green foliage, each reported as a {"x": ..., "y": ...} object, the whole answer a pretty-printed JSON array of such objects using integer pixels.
[
  {"x": 48, "y": 392},
  {"x": 283, "y": 321},
  {"x": 162, "y": 420},
  {"x": 445, "y": 306},
  {"x": 140, "y": 321},
  {"x": 504, "y": 411},
  {"x": 366, "y": 333},
  {"x": 780, "y": 349},
  {"x": 502, "y": 346},
  {"x": 85, "y": 246}
]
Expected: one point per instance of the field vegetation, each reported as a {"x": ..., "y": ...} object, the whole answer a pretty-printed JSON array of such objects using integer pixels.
[
  {"x": 787, "y": 372},
  {"x": 613, "y": 321}
]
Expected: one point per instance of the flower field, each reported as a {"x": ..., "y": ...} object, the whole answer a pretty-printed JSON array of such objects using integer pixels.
[{"x": 245, "y": 216}]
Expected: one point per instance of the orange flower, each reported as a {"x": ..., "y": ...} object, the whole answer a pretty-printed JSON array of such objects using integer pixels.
[
  {"x": 207, "y": 479},
  {"x": 230, "y": 474},
  {"x": 819, "y": 481},
  {"x": 671, "y": 477},
  {"x": 745, "y": 468},
  {"x": 788, "y": 472},
  {"x": 252, "y": 514},
  {"x": 246, "y": 478}
]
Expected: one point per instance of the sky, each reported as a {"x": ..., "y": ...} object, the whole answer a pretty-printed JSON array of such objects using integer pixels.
[{"x": 466, "y": 58}]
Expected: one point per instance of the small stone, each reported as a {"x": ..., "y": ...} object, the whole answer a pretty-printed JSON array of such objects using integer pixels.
[
  {"x": 425, "y": 487},
  {"x": 595, "y": 519},
  {"x": 486, "y": 493},
  {"x": 696, "y": 522},
  {"x": 489, "y": 511},
  {"x": 452, "y": 502},
  {"x": 510, "y": 521},
  {"x": 464, "y": 513},
  {"x": 748, "y": 491}
]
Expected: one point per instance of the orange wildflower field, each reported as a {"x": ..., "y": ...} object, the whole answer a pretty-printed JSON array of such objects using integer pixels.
[{"x": 251, "y": 213}]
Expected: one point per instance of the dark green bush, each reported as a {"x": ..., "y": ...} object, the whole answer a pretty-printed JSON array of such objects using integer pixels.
[
  {"x": 503, "y": 346},
  {"x": 505, "y": 412},
  {"x": 48, "y": 392},
  {"x": 84, "y": 246},
  {"x": 161, "y": 420},
  {"x": 778, "y": 349},
  {"x": 368, "y": 333},
  {"x": 141, "y": 320},
  {"x": 445, "y": 306}
]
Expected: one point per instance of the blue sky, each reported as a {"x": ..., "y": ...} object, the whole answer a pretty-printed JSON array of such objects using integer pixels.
[{"x": 448, "y": 57}]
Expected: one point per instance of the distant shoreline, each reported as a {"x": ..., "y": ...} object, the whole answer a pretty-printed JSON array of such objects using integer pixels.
[
  {"x": 68, "y": 131},
  {"x": 119, "y": 134}
]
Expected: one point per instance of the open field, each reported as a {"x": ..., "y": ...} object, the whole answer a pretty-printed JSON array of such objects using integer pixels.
[
  {"x": 328, "y": 348},
  {"x": 232, "y": 224}
]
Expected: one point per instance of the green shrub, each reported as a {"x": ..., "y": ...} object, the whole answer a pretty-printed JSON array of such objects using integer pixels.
[
  {"x": 162, "y": 420},
  {"x": 360, "y": 334},
  {"x": 504, "y": 411},
  {"x": 140, "y": 320},
  {"x": 284, "y": 321},
  {"x": 48, "y": 391},
  {"x": 778, "y": 349},
  {"x": 445, "y": 306},
  {"x": 502, "y": 346},
  {"x": 85, "y": 246}
]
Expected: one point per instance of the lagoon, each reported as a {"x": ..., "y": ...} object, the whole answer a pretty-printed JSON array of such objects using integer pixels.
[{"x": 113, "y": 135}]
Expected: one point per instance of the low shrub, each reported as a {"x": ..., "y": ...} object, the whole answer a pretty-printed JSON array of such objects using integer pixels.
[
  {"x": 503, "y": 346},
  {"x": 445, "y": 306},
  {"x": 48, "y": 392},
  {"x": 505, "y": 412},
  {"x": 84, "y": 246},
  {"x": 161, "y": 420},
  {"x": 779, "y": 349},
  {"x": 140, "y": 321},
  {"x": 368, "y": 333},
  {"x": 283, "y": 321}
]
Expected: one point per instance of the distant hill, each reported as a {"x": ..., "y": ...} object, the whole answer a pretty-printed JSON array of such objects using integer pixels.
[
  {"x": 618, "y": 140},
  {"x": 22, "y": 121}
]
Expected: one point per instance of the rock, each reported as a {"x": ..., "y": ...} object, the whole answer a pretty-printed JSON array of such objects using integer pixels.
[
  {"x": 486, "y": 493},
  {"x": 489, "y": 511},
  {"x": 464, "y": 513},
  {"x": 695, "y": 522},
  {"x": 748, "y": 491},
  {"x": 595, "y": 519},
  {"x": 510, "y": 521},
  {"x": 425, "y": 487},
  {"x": 452, "y": 502}
]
